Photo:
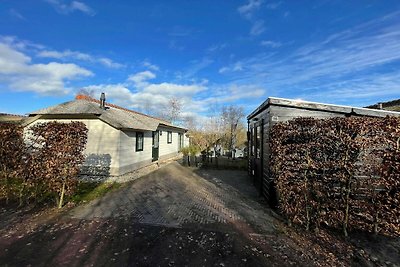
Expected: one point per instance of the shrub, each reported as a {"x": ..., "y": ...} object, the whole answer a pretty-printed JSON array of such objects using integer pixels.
[
  {"x": 341, "y": 172},
  {"x": 43, "y": 164}
]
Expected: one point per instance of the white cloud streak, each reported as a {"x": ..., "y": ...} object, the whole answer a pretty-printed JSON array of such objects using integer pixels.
[
  {"x": 257, "y": 28},
  {"x": 16, "y": 14},
  {"x": 248, "y": 9},
  {"x": 333, "y": 66},
  {"x": 67, "y": 7},
  {"x": 271, "y": 44},
  {"x": 68, "y": 55}
]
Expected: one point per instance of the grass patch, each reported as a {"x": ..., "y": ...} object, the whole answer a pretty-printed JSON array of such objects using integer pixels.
[{"x": 88, "y": 191}]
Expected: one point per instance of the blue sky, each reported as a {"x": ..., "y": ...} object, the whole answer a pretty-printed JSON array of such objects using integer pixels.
[{"x": 205, "y": 53}]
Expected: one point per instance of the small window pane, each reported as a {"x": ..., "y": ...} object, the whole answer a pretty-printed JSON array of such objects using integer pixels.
[
  {"x": 169, "y": 137},
  {"x": 139, "y": 141}
]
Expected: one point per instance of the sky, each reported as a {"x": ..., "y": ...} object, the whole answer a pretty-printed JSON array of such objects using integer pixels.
[{"x": 205, "y": 53}]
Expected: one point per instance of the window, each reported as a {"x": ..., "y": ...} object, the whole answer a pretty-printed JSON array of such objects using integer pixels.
[
  {"x": 252, "y": 142},
  {"x": 180, "y": 141},
  {"x": 258, "y": 141},
  {"x": 169, "y": 137},
  {"x": 139, "y": 141}
]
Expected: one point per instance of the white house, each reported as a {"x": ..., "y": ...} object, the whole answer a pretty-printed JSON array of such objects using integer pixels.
[{"x": 119, "y": 140}]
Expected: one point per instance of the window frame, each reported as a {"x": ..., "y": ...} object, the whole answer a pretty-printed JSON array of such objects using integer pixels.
[
  {"x": 138, "y": 136},
  {"x": 169, "y": 137}
]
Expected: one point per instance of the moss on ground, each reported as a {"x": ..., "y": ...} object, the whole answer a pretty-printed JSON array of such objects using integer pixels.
[{"x": 87, "y": 191}]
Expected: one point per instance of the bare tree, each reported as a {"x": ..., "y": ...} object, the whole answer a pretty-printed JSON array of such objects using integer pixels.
[
  {"x": 231, "y": 117},
  {"x": 172, "y": 110}
]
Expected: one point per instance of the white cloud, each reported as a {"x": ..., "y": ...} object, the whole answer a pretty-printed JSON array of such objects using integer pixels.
[
  {"x": 248, "y": 9},
  {"x": 171, "y": 89},
  {"x": 150, "y": 66},
  {"x": 67, "y": 7},
  {"x": 138, "y": 93},
  {"x": 19, "y": 73},
  {"x": 140, "y": 79},
  {"x": 109, "y": 63},
  {"x": 271, "y": 44},
  {"x": 68, "y": 54},
  {"x": 17, "y": 44},
  {"x": 257, "y": 28},
  {"x": 236, "y": 67}
]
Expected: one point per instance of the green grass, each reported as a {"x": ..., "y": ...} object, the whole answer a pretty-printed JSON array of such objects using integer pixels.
[{"x": 88, "y": 191}]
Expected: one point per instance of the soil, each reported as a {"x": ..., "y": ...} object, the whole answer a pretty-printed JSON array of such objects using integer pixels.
[{"x": 179, "y": 216}]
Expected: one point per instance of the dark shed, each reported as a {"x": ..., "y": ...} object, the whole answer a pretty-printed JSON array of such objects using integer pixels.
[{"x": 275, "y": 110}]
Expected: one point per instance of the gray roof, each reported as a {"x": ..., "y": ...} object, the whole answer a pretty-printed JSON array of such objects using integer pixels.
[
  {"x": 115, "y": 116},
  {"x": 321, "y": 107}
]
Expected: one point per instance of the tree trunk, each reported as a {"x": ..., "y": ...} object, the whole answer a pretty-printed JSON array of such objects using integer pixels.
[{"x": 60, "y": 203}]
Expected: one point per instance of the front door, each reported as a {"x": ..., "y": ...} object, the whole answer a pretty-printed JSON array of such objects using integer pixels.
[{"x": 156, "y": 145}]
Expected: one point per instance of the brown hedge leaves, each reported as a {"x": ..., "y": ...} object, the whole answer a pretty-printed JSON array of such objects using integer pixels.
[
  {"x": 43, "y": 163},
  {"x": 339, "y": 172}
]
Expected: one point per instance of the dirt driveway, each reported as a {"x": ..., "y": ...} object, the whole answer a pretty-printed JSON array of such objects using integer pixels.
[{"x": 175, "y": 216}]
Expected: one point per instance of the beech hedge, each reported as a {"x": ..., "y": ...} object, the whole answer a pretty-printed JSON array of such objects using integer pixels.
[
  {"x": 41, "y": 162},
  {"x": 341, "y": 173}
]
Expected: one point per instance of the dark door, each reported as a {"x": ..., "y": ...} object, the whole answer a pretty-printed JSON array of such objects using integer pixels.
[{"x": 156, "y": 145}]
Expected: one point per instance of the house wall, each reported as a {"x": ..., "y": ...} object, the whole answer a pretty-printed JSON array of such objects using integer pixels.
[
  {"x": 102, "y": 155},
  {"x": 130, "y": 159},
  {"x": 168, "y": 150}
]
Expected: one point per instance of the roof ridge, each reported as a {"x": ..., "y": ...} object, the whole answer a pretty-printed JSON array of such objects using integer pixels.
[{"x": 91, "y": 99}]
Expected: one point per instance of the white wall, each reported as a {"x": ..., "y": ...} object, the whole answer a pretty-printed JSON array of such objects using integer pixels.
[
  {"x": 130, "y": 159},
  {"x": 165, "y": 148}
]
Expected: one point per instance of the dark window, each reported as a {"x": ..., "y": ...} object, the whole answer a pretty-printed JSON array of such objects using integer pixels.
[
  {"x": 139, "y": 141},
  {"x": 169, "y": 137},
  {"x": 252, "y": 141},
  {"x": 258, "y": 142}
]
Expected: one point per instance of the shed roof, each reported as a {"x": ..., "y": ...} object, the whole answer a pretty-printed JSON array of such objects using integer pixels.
[
  {"x": 118, "y": 117},
  {"x": 301, "y": 104}
]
